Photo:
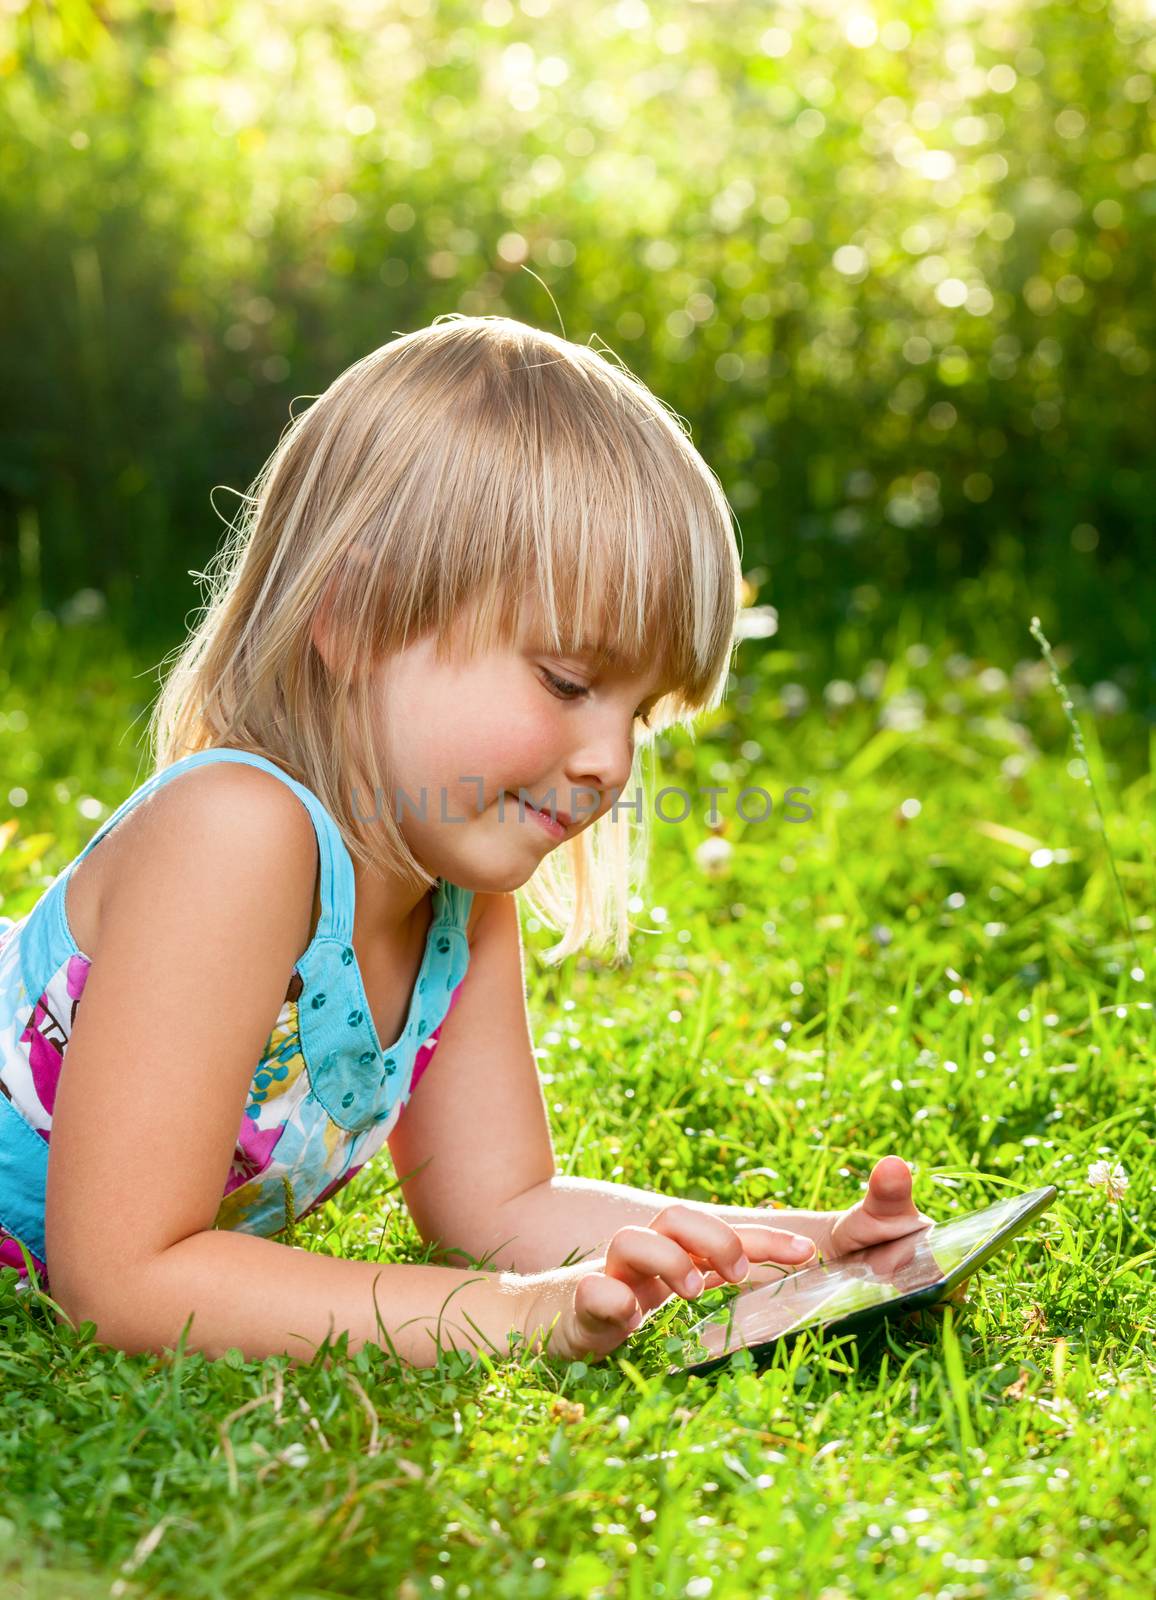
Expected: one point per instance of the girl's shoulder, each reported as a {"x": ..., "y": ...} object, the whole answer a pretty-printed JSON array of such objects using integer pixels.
[{"x": 214, "y": 796}]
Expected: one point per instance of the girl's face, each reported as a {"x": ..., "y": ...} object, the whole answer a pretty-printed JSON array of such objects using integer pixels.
[{"x": 472, "y": 733}]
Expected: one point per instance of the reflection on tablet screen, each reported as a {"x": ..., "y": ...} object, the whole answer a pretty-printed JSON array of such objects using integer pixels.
[{"x": 765, "y": 1310}]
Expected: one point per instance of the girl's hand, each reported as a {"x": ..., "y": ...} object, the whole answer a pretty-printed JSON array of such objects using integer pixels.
[
  {"x": 682, "y": 1251},
  {"x": 886, "y": 1211}
]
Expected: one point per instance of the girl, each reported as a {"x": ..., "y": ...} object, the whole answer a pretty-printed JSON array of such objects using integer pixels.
[{"x": 474, "y": 576}]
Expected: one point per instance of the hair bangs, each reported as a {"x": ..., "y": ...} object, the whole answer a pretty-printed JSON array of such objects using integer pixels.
[{"x": 604, "y": 532}]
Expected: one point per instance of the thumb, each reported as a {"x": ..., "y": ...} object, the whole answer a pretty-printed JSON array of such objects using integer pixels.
[{"x": 889, "y": 1187}]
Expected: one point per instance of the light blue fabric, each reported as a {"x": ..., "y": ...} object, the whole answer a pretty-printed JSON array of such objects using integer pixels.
[
  {"x": 356, "y": 1081},
  {"x": 23, "y": 1178}
]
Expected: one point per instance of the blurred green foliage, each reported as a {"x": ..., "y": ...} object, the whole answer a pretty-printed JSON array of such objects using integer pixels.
[{"x": 894, "y": 265}]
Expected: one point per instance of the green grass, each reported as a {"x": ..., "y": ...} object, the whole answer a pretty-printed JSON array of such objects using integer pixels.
[{"x": 882, "y": 978}]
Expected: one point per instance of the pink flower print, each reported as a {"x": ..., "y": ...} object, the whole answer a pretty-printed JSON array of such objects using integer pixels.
[
  {"x": 252, "y": 1153},
  {"x": 75, "y": 979},
  {"x": 11, "y": 1256},
  {"x": 46, "y": 1039},
  {"x": 47, "y": 1036}
]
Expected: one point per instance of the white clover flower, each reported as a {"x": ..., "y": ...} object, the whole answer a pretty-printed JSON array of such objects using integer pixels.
[
  {"x": 1113, "y": 1179},
  {"x": 713, "y": 857}
]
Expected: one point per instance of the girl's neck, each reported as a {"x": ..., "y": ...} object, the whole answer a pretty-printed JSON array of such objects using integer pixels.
[{"x": 387, "y": 910}]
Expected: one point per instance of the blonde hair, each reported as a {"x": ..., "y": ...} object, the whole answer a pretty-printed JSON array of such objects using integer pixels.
[{"x": 449, "y": 473}]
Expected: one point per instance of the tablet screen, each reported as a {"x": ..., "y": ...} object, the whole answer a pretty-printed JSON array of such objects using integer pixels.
[{"x": 770, "y": 1305}]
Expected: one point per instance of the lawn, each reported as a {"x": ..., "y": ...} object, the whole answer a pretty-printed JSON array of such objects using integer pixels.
[{"x": 939, "y": 963}]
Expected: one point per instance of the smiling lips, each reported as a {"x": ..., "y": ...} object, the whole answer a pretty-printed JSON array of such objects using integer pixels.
[{"x": 556, "y": 825}]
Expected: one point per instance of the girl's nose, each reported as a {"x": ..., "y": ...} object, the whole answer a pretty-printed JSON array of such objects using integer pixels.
[{"x": 603, "y": 763}]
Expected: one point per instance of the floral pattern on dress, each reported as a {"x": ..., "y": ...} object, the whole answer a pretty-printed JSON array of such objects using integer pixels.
[
  {"x": 288, "y": 1148},
  {"x": 31, "y": 1057},
  {"x": 309, "y": 1152}
]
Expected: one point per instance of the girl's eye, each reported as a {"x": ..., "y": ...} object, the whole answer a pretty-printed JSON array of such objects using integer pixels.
[
  {"x": 566, "y": 690},
  {"x": 563, "y": 688}
]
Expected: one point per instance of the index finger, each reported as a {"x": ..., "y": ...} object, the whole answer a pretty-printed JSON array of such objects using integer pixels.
[{"x": 707, "y": 1238}]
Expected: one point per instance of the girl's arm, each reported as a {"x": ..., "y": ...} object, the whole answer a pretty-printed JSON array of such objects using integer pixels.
[
  {"x": 265, "y": 1298},
  {"x": 474, "y": 1154},
  {"x": 576, "y": 1217},
  {"x": 208, "y": 909},
  {"x": 553, "y": 1217}
]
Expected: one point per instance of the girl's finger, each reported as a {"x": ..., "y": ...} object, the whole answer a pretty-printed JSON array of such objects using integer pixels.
[
  {"x": 606, "y": 1306},
  {"x": 780, "y": 1245},
  {"x": 781, "y": 1248},
  {"x": 640, "y": 1256},
  {"x": 682, "y": 1244},
  {"x": 707, "y": 1237},
  {"x": 774, "y": 1245}
]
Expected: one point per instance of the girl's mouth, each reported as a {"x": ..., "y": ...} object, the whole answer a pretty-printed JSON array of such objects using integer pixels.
[{"x": 556, "y": 826}]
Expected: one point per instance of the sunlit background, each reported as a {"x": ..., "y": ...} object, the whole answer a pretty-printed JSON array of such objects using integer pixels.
[{"x": 894, "y": 265}]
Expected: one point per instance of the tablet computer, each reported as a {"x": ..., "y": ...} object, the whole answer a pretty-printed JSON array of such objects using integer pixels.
[{"x": 855, "y": 1293}]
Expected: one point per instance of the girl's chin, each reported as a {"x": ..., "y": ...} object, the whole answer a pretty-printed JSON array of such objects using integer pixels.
[{"x": 515, "y": 876}]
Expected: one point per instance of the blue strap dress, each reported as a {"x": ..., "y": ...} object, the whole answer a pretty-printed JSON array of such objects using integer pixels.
[{"x": 326, "y": 1092}]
